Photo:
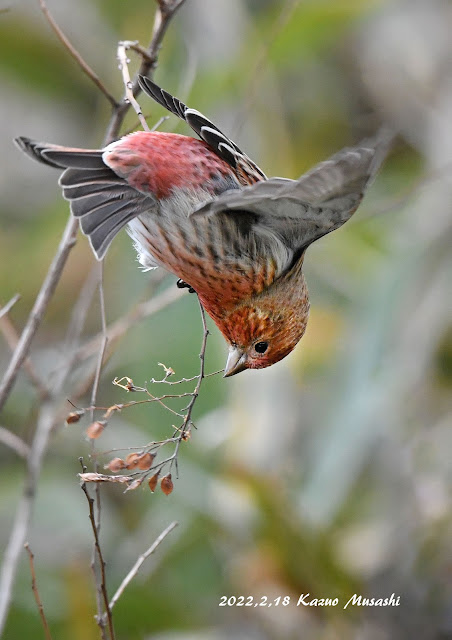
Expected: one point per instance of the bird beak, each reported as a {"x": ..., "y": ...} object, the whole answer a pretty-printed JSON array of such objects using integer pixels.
[{"x": 236, "y": 362}]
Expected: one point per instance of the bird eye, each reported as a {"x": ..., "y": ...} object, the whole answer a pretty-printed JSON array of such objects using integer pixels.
[{"x": 261, "y": 347}]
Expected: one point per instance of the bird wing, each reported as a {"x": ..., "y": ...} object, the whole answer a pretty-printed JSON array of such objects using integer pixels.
[
  {"x": 102, "y": 200},
  {"x": 298, "y": 212},
  {"x": 206, "y": 130}
]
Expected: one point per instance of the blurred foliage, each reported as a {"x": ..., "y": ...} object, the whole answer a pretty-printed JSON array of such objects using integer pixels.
[{"x": 329, "y": 474}]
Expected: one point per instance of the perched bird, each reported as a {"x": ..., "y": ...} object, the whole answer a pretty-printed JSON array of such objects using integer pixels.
[{"x": 205, "y": 211}]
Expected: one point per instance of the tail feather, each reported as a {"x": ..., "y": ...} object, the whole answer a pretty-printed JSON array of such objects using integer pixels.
[
  {"x": 102, "y": 200},
  {"x": 61, "y": 157},
  {"x": 78, "y": 177}
]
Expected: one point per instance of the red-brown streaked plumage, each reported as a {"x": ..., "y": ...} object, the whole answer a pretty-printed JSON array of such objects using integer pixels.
[{"x": 203, "y": 210}]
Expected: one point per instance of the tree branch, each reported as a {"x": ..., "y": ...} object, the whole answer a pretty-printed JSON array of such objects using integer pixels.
[
  {"x": 34, "y": 587},
  {"x": 101, "y": 563},
  {"x": 163, "y": 16},
  {"x": 136, "y": 567},
  {"x": 84, "y": 66},
  {"x": 15, "y": 443}
]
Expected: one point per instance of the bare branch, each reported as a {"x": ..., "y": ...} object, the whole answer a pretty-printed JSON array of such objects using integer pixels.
[
  {"x": 76, "y": 55},
  {"x": 15, "y": 443},
  {"x": 9, "y": 305},
  {"x": 122, "y": 58},
  {"x": 103, "y": 583},
  {"x": 90, "y": 476},
  {"x": 34, "y": 587},
  {"x": 136, "y": 567},
  {"x": 24, "y": 509},
  {"x": 163, "y": 16},
  {"x": 12, "y": 338},
  {"x": 104, "y": 341}
]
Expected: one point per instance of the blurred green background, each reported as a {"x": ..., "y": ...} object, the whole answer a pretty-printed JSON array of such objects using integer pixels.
[{"x": 328, "y": 474}]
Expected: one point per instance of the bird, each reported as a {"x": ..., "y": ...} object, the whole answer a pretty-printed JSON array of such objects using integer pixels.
[{"x": 204, "y": 211}]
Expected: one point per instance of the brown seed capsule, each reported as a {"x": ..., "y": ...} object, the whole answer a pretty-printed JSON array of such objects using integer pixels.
[
  {"x": 166, "y": 484},
  {"x": 74, "y": 416},
  {"x": 145, "y": 461},
  {"x": 116, "y": 464},
  {"x": 95, "y": 429},
  {"x": 153, "y": 481},
  {"x": 132, "y": 460}
]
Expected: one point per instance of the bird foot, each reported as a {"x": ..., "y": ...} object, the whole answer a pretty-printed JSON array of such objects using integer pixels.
[{"x": 183, "y": 285}]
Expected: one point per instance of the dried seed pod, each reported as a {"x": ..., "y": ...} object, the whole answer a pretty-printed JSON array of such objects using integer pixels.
[
  {"x": 116, "y": 464},
  {"x": 132, "y": 460},
  {"x": 95, "y": 429},
  {"x": 74, "y": 416},
  {"x": 153, "y": 481},
  {"x": 166, "y": 484},
  {"x": 134, "y": 485},
  {"x": 145, "y": 461}
]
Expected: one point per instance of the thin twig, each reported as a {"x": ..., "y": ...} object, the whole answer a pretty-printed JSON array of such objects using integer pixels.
[
  {"x": 122, "y": 59},
  {"x": 76, "y": 55},
  {"x": 104, "y": 341},
  {"x": 101, "y": 562},
  {"x": 11, "y": 336},
  {"x": 24, "y": 509},
  {"x": 15, "y": 443},
  {"x": 163, "y": 16},
  {"x": 120, "y": 328},
  {"x": 9, "y": 305},
  {"x": 97, "y": 516},
  {"x": 186, "y": 426},
  {"x": 136, "y": 567},
  {"x": 34, "y": 588}
]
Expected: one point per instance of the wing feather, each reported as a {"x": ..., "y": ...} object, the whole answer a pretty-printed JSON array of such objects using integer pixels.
[
  {"x": 301, "y": 211},
  {"x": 223, "y": 146}
]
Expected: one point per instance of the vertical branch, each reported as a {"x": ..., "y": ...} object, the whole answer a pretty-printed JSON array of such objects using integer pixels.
[
  {"x": 34, "y": 588},
  {"x": 97, "y": 563},
  {"x": 101, "y": 562},
  {"x": 163, "y": 16}
]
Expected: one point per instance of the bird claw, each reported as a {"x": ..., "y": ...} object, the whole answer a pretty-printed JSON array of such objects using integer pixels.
[{"x": 183, "y": 285}]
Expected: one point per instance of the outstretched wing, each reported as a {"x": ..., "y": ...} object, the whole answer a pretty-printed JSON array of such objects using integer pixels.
[
  {"x": 102, "y": 200},
  {"x": 298, "y": 212},
  {"x": 207, "y": 131}
]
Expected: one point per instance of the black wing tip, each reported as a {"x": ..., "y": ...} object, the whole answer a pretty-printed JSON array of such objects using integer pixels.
[
  {"x": 36, "y": 151},
  {"x": 23, "y": 142},
  {"x": 150, "y": 87},
  {"x": 28, "y": 146}
]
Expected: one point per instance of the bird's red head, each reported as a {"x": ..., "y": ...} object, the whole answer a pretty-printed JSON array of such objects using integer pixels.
[{"x": 264, "y": 330}]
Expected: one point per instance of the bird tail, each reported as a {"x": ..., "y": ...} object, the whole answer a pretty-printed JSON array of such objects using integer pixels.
[{"x": 102, "y": 200}]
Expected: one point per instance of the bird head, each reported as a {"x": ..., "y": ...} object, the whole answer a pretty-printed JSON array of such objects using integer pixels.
[{"x": 265, "y": 329}]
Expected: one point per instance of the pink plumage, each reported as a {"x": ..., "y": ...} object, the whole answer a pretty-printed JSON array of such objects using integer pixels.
[{"x": 204, "y": 210}]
